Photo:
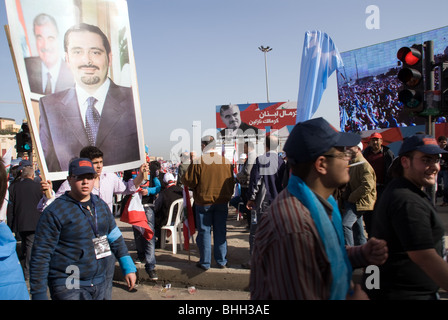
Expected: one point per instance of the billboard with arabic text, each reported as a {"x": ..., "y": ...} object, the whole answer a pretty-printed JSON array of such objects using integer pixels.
[{"x": 256, "y": 118}]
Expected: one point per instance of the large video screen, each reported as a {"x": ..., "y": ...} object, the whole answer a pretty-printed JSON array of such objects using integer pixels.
[{"x": 368, "y": 86}]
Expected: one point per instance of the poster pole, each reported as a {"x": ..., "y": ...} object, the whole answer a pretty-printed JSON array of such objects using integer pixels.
[{"x": 8, "y": 36}]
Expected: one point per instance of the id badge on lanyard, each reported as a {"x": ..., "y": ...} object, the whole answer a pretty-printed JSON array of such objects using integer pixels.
[
  {"x": 101, "y": 246},
  {"x": 100, "y": 243}
]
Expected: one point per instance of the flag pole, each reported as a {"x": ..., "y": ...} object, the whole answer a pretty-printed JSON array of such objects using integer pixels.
[
  {"x": 188, "y": 223},
  {"x": 189, "y": 252}
]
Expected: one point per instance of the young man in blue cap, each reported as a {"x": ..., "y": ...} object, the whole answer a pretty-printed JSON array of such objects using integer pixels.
[
  {"x": 299, "y": 250},
  {"x": 406, "y": 218},
  {"x": 74, "y": 235}
]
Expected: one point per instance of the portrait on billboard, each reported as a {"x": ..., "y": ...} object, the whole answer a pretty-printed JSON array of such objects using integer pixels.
[
  {"x": 247, "y": 121},
  {"x": 231, "y": 117},
  {"x": 77, "y": 72}
]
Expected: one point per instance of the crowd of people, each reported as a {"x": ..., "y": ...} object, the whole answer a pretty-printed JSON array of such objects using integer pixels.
[
  {"x": 372, "y": 105},
  {"x": 321, "y": 207},
  {"x": 325, "y": 206}
]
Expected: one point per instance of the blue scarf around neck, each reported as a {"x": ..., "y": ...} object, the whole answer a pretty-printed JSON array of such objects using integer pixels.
[{"x": 331, "y": 234}]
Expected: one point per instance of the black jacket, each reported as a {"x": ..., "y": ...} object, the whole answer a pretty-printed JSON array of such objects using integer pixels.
[
  {"x": 22, "y": 213},
  {"x": 163, "y": 204}
]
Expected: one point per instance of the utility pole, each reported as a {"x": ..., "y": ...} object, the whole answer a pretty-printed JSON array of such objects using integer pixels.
[{"x": 265, "y": 50}]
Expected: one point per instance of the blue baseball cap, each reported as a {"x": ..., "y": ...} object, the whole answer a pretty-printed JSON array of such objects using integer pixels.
[
  {"x": 420, "y": 142},
  {"x": 80, "y": 166},
  {"x": 312, "y": 138},
  {"x": 24, "y": 163}
]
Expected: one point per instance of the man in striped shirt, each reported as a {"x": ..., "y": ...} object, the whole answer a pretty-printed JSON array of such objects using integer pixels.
[{"x": 299, "y": 250}]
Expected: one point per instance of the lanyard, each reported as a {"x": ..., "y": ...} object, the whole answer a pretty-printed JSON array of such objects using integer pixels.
[{"x": 94, "y": 226}]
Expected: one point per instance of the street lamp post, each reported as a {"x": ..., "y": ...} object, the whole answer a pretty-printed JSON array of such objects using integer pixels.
[{"x": 265, "y": 50}]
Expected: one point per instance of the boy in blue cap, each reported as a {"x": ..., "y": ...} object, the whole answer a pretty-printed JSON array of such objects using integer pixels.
[{"x": 74, "y": 235}]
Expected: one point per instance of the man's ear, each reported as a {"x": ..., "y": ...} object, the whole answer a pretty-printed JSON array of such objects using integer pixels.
[
  {"x": 320, "y": 165},
  {"x": 405, "y": 162}
]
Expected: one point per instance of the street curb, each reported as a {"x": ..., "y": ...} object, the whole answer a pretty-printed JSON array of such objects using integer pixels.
[{"x": 187, "y": 274}]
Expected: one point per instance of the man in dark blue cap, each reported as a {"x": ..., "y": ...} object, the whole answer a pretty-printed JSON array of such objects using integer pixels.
[
  {"x": 406, "y": 218},
  {"x": 299, "y": 250}
]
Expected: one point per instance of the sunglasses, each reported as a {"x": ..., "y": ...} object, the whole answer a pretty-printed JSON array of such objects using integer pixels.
[{"x": 343, "y": 155}]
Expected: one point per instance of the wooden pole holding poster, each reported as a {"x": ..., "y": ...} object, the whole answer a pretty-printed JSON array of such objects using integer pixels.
[{"x": 8, "y": 36}]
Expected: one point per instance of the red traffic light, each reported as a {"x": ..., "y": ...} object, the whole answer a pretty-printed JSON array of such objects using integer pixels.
[
  {"x": 412, "y": 76},
  {"x": 409, "y": 56}
]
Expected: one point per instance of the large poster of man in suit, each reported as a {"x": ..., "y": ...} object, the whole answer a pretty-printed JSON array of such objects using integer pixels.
[{"x": 77, "y": 72}]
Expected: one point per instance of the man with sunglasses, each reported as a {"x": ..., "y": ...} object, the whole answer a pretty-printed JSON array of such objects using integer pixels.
[
  {"x": 299, "y": 249},
  {"x": 73, "y": 237},
  {"x": 406, "y": 218}
]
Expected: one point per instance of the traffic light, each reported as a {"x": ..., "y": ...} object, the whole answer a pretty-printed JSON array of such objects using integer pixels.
[
  {"x": 412, "y": 77},
  {"x": 26, "y": 142},
  {"x": 443, "y": 85},
  {"x": 23, "y": 140},
  {"x": 19, "y": 142}
]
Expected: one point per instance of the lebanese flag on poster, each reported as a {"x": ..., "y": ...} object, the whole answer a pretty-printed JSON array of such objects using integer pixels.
[
  {"x": 189, "y": 227},
  {"x": 134, "y": 213}
]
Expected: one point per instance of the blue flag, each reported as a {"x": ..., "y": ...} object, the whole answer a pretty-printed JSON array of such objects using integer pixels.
[{"x": 320, "y": 58}]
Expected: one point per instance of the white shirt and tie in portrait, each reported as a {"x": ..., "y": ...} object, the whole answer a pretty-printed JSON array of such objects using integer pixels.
[{"x": 63, "y": 126}]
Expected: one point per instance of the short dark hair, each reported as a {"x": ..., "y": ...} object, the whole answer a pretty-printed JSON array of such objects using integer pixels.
[
  {"x": 271, "y": 142},
  {"x": 441, "y": 138},
  {"x": 90, "y": 28},
  {"x": 91, "y": 152},
  {"x": 226, "y": 107},
  {"x": 395, "y": 169},
  {"x": 301, "y": 170}
]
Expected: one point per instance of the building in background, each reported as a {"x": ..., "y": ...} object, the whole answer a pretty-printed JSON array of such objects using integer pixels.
[{"x": 8, "y": 131}]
